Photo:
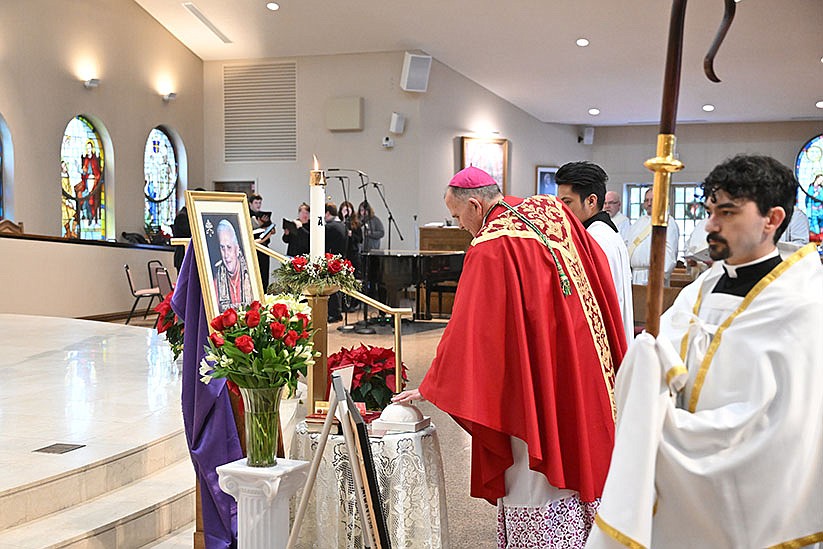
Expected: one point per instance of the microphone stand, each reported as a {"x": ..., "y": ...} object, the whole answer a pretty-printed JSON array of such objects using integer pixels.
[
  {"x": 391, "y": 216},
  {"x": 365, "y": 328},
  {"x": 344, "y": 304}
]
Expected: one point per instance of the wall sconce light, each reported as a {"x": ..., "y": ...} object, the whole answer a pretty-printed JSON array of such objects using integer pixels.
[
  {"x": 91, "y": 83},
  {"x": 171, "y": 96}
]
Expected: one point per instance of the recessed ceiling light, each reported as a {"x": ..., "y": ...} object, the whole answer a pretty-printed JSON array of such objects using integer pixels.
[
  {"x": 819, "y": 104},
  {"x": 594, "y": 111},
  {"x": 582, "y": 42},
  {"x": 273, "y": 6},
  {"x": 708, "y": 107}
]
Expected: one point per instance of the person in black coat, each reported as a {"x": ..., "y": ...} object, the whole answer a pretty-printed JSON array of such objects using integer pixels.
[
  {"x": 336, "y": 239},
  {"x": 298, "y": 241}
]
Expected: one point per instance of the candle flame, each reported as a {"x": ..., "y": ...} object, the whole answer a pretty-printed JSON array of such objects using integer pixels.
[{"x": 316, "y": 163}]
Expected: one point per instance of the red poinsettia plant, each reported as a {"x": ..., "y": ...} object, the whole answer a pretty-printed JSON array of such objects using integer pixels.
[
  {"x": 169, "y": 324},
  {"x": 374, "y": 379}
]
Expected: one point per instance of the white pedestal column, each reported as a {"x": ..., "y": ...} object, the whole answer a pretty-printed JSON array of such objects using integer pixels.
[{"x": 262, "y": 495}]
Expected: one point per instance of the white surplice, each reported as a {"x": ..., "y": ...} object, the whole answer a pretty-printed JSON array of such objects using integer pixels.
[
  {"x": 639, "y": 243},
  {"x": 622, "y": 223},
  {"x": 615, "y": 249},
  {"x": 736, "y": 459}
]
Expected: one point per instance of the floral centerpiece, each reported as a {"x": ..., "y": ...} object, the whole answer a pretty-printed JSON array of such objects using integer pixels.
[
  {"x": 169, "y": 324},
  {"x": 262, "y": 348},
  {"x": 325, "y": 274},
  {"x": 373, "y": 380}
]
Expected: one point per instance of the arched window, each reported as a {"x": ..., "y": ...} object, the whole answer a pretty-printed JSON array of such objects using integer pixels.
[
  {"x": 82, "y": 166},
  {"x": 809, "y": 172},
  {"x": 160, "y": 172},
  {"x": 2, "y": 215}
]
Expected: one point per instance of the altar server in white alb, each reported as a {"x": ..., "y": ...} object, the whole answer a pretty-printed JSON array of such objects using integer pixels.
[
  {"x": 720, "y": 420},
  {"x": 639, "y": 242},
  {"x": 581, "y": 186},
  {"x": 613, "y": 206}
]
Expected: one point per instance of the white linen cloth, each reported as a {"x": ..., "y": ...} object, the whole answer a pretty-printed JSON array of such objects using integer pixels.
[
  {"x": 639, "y": 243},
  {"x": 615, "y": 249},
  {"x": 410, "y": 475},
  {"x": 738, "y": 460}
]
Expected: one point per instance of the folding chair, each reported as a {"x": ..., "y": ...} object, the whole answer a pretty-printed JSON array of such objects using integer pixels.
[
  {"x": 151, "y": 293},
  {"x": 163, "y": 278},
  {"x": 153, "y": 265}
]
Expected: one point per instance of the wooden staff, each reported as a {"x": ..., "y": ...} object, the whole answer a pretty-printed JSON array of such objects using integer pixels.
[{"x": 665, "y": 163}]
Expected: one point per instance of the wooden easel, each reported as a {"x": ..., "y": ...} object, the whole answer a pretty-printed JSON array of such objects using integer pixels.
[{"x": 372, "y": 523}]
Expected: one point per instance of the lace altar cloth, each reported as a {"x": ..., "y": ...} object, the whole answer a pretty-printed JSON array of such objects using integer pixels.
[
  {"x": 410, "y": 476},
  {"x": 563, "y": 523}
]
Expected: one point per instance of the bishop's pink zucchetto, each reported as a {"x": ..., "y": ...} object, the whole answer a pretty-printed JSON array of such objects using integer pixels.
[{"x": 471, "y": 178}]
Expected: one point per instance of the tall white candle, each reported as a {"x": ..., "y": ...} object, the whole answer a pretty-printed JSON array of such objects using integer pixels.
[{"x": 317, "y": 217}]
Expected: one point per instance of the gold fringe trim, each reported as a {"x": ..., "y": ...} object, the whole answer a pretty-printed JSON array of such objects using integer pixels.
[
  {"x": 799, "y": 542},
  {"x": 617, "y": 535}
]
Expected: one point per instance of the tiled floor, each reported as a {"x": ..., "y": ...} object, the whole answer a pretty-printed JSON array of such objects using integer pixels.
[{"x": 39, "y": 409}]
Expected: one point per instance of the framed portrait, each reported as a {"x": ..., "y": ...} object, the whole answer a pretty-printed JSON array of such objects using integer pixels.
[
  {"x": 224, "y": 249},
  {"x": 544, "y": 182},
  {"x": 490, "y": 155}
]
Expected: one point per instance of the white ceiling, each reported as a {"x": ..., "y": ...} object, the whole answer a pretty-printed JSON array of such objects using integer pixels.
[{"x": 524, "y": 50}]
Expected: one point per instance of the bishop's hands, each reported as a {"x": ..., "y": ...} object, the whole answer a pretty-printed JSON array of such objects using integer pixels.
[{"x": 407, "y": 397}]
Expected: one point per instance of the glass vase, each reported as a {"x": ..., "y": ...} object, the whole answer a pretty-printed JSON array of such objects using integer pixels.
[{"x": 262, "y": 417}]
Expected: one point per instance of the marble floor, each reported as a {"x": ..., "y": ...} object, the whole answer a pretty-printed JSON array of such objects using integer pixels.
[
  {"x": 112, "y": 390},
  {"x": 118, "y": 388}
]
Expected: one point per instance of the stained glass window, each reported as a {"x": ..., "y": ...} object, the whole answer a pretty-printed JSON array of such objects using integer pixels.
[
  {"x": 809, "y": 172},
  {"x": 160, "y": 172},
  {"x": 82, "y": 165},
  {"x": 1, "y": 181}
]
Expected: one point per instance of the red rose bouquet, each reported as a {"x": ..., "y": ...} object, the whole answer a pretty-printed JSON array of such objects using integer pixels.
[
  {"x": 373, "y": 381},
  {"x": 327, "y": 272},
  {"x": 169, "y": 324},
  {"x": 265, "y": 345}
]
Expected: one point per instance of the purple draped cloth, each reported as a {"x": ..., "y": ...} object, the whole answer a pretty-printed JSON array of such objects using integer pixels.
[{"x": 207, "y": 415}]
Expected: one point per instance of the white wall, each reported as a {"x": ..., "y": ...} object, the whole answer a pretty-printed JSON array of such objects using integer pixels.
[
  {"x": 43, "y": 45},
  {"x": 424, "y": 158},
  {"x": 622, "y": 150},
  {"x": 456, "y": 106},
  {"x": 36, "y": 281}
]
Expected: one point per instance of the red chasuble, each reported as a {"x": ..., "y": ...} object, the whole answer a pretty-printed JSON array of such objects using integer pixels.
[{"x": 522, "y": 358}]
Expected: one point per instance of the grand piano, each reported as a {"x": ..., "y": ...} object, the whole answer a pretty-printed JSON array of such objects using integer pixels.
[{"x": 390, "y": 271}]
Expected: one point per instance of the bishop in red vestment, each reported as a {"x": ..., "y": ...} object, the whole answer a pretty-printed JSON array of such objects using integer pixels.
[{"x": 527, "y": 363}]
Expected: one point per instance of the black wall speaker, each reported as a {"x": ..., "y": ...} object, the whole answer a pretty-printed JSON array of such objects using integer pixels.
[{"x": 415, "y": 75}]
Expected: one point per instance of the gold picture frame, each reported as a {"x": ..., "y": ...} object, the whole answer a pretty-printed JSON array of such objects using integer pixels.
[
  {"x": 490, "y": 155},
  {"x": 216, "y": 214},
  {"x": 544, "y": 182}
]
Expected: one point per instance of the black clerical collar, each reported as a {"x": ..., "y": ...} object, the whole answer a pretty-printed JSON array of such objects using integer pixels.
[
  {"x": 740, "y": 279},
  {"x": 600, "y": 216}
]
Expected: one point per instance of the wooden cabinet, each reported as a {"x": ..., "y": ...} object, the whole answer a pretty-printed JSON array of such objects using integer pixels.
[{"x": 442, "y": 239}]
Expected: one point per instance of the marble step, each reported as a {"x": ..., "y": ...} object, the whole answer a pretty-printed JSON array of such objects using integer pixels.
[
  {"x": 179, "y": 539},
  {"x": 85, "y": 478},
  {"x": 131, "y": 516}
]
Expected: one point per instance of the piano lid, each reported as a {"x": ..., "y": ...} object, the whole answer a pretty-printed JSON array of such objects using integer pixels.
[{"x": 411, "y": 253}]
